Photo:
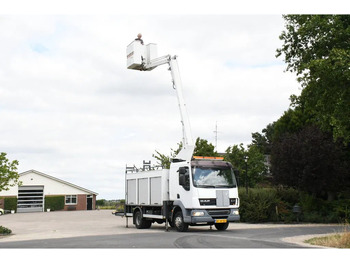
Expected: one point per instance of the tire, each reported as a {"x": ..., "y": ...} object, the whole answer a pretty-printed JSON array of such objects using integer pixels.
[
  {"x": 222, "y": 227},
  {"x": 172, "y": 224},
  {"x": 147, "y": 223},
  {"x": 140, "y": 222},
  {"x": 138, "y": 219},
  {"x": 0, "y": 213},
  {"x": 179, "y": 223}
]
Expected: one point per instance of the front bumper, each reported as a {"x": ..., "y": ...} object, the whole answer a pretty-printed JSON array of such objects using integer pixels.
[{"x": 212, "y": 215}]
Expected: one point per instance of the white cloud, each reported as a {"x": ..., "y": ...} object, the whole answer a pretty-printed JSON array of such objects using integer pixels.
[{"x": 70, "y": 108}]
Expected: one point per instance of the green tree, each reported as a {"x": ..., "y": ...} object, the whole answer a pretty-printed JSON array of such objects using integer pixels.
[
  {"x": 311, "y": 161},
  {"x": 255, "y": 165},
  {"x": 235, "y": 155},
  {"x": 100, "y": 202},
  {"x": 8, "y": 173},
  {"x": 317, "y": 49},
  {"x": 264, "y": 140},
  {"x": 165, "y": 160},
  {"x": 204, "y": 148},
  {"x": 292, "y": 121}
]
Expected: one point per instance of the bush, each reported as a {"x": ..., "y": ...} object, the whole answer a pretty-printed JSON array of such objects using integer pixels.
[
  {"x": 259, "y": 205},
  {"x": 11, "y": 203},
  {"x": 276, "y": 205},
  {"x": 107, "y": 207},
  {"x": 288, "y": 198},
  {"x": 5, "y": 231},
  {"x": 288, "y": 195},
  {"x": 342, "y": 209},
  {"x": 317, "y": 210},
  {"x": 54, "y": 202},
  {"x": 120, "y": 207},
  {"x": 100, "y": 202}
]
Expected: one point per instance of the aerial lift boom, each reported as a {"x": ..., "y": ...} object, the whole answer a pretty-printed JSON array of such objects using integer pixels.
[{"x": 144, "y": 58}]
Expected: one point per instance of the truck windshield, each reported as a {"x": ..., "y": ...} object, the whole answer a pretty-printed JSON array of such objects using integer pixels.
[{"x": 213, "y": 177}]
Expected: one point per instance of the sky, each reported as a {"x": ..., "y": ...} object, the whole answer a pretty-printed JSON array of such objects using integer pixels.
[{"x": 70, "y": 108}]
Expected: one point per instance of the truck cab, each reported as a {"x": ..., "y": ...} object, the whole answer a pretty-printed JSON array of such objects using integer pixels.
[{"x": 204, "y": 191}]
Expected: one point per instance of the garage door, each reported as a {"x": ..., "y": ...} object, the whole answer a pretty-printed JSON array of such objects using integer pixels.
[{"x": 30, "y": 199}]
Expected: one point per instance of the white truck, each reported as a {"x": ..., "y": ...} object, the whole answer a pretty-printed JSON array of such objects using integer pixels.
[{"x": 195, "y": 190}]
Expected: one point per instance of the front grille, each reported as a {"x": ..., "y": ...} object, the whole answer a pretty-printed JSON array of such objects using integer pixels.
[
  {"x": 207, "y": 201},
  {"x": 218, "y": 213},
  {"x": 212, "y": 201}
]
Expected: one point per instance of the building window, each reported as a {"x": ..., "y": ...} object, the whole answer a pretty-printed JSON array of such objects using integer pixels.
[{"x": 71, "y": 200}]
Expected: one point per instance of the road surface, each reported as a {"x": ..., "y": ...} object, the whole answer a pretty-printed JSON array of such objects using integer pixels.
[{"x": 100, "y": 229}]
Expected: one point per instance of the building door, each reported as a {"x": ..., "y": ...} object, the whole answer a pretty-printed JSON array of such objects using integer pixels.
[
  {"x": 89, "y": 202},
  {"x": 30, "y": 199}
]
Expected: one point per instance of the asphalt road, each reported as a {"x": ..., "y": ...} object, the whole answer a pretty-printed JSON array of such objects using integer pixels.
[
  {"x": 243, "y": 238},
  {"x": 100, "y": 229}
]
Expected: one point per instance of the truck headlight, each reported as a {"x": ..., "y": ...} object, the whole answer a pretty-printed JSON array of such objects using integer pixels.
[
  {"x": 235, "y": 212},
  {"x": 197, "y": 213}
]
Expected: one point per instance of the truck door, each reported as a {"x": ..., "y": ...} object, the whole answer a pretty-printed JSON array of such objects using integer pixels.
[{"x": 180, "y": 185}]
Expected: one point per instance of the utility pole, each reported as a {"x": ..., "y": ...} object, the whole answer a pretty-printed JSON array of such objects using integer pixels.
[{"x": 216, "y": 136}]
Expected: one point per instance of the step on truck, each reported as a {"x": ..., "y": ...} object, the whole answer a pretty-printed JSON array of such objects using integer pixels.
[{"x": 195, "y": 190}]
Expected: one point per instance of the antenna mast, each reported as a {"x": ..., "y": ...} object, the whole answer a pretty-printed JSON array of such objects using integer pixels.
[{"x": 216, "y": 135}]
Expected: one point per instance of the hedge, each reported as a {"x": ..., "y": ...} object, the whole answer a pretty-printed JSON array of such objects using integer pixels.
[
  {"x": 276, "y": 205},
  {"x": 258, "y": 205},
  {"x": 54, "y": 202},
  {"x": 10, "y": 203}
]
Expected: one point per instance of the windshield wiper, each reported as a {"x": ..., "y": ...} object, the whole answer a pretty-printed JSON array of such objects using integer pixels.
[
  {"x": 206, "y": 186},
  {"x": 225, "y": 186}
]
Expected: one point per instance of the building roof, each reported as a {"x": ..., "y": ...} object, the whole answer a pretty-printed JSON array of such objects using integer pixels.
[{"x": 58, "y": 180}]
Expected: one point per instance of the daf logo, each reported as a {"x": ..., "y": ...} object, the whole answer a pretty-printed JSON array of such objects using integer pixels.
[{"x": 204, "y": 200}]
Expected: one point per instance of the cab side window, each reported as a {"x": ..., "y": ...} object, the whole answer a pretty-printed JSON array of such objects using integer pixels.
[{"x": 184, "y": 178}]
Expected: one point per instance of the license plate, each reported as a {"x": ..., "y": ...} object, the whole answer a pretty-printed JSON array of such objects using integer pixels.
[{"x": 220, "y": 221}]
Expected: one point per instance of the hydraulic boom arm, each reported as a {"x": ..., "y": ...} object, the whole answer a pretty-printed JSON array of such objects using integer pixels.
[{"x": 145, "y": 63}]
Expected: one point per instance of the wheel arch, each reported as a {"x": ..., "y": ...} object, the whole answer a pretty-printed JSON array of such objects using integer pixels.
[
  {"x": 178, "y": 206},
  {"x": 175, "y": 210}
]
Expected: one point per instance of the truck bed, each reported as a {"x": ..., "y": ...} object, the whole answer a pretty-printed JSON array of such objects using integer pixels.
[{"x": 147, "y": 187}]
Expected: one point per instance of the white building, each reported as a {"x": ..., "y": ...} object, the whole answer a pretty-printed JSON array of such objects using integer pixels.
[{"x": 36, "y": 186}]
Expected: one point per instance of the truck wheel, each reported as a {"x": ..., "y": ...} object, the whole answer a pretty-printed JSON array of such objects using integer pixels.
[
  {"x": 222, "y": 227},
  {"x": 147, "y": 223},
  {"x": 171, "y": 223},
  {"x": 179, "y": 223},
  {"x": 140, "y": 222}
]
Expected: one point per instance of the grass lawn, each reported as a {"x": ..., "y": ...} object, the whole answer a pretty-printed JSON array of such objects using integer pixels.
[{"x": 341, "y": 240}]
